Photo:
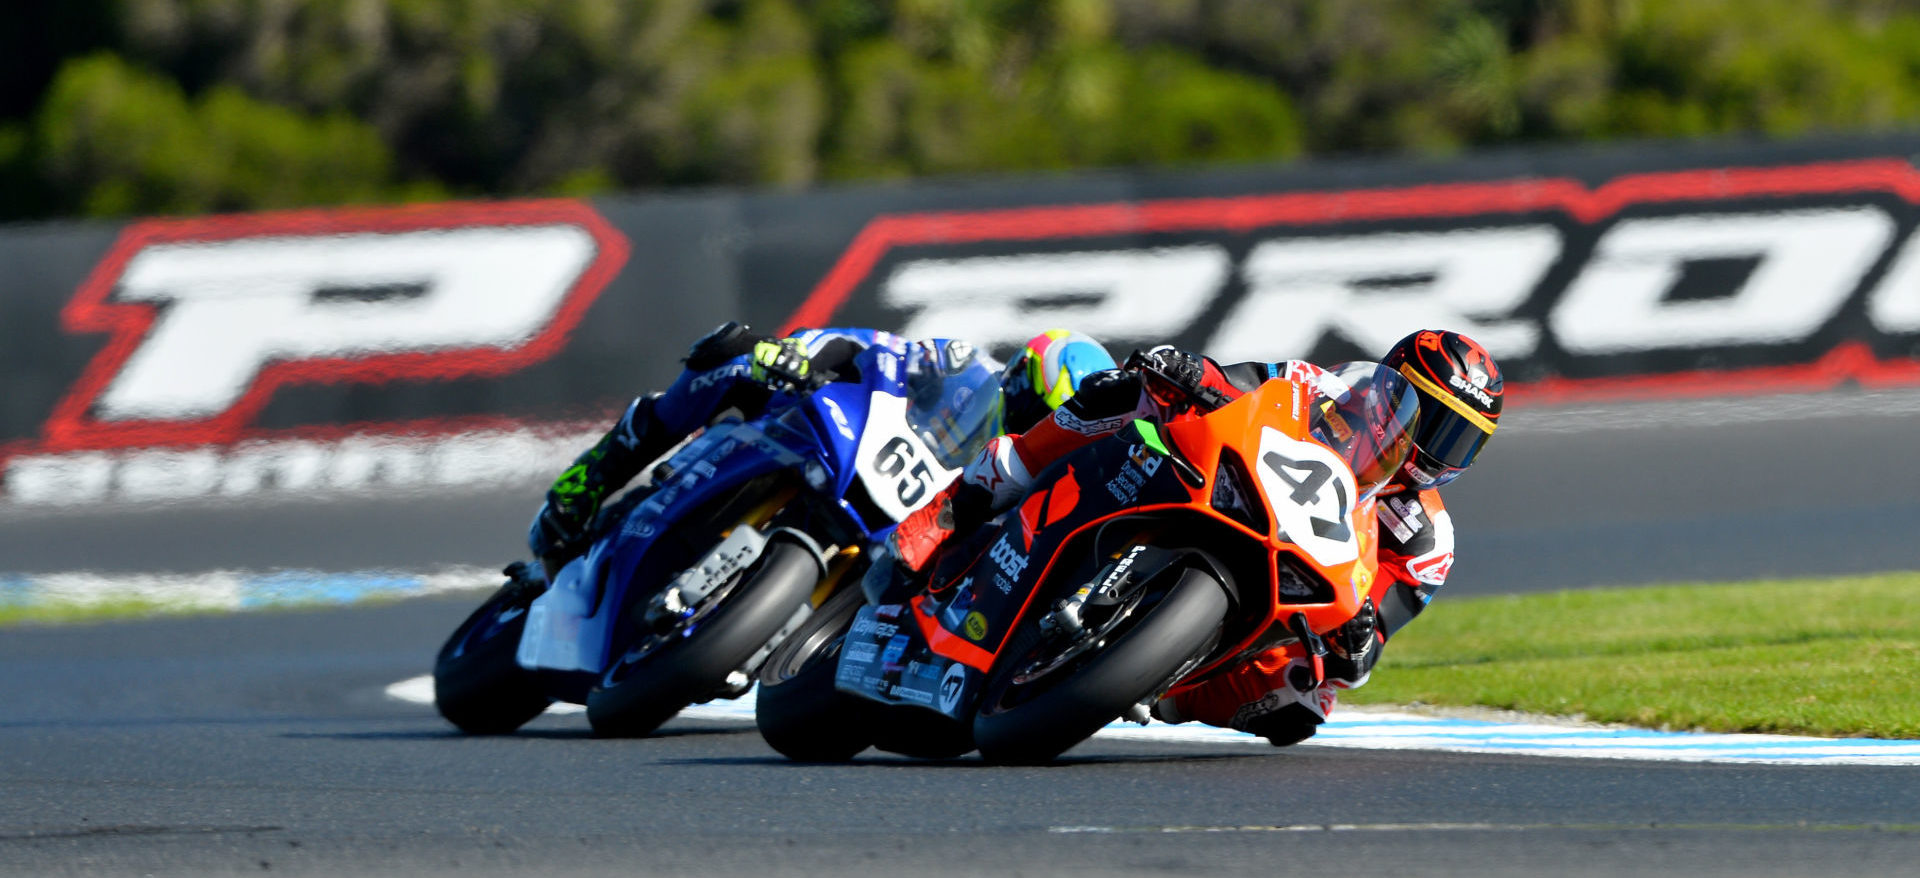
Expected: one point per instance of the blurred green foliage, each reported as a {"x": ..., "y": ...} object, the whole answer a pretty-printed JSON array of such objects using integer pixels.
[{"x": 111, "y": 107}]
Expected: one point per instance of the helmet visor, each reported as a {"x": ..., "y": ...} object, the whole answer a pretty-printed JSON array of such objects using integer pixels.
[{"x": 1448, "y": 438}]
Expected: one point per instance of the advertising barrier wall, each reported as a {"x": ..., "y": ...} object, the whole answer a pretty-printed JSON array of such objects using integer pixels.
[{"x": 370, "y": 349}]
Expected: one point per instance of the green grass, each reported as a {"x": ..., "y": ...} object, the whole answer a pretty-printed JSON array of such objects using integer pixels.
[
  {"x": 74, "y": 612},
  {"x": 1834, "y": 657},
  {"x": 63, "y": 612},
  {"x": 1817, "y": 656}
]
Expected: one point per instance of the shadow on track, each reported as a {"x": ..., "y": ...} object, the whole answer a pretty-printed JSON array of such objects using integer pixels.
[
  {"x": 966, "y": 762},
  {"x": 182, "y": 721},
  {"x": 523, "y": 734}
]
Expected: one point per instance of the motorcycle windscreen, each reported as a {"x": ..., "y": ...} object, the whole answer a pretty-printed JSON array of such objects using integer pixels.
[
  {"x": 954, "y": 412},
  {"x": 1368, "y": 415}
]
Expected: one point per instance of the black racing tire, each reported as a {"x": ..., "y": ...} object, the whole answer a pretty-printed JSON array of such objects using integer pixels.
[
  {"x": 477, "y": 684},
  {"x": 1035, "y": 722},
  {"x": 799, "y": 712},
  {"x": 637, "y": 694}
]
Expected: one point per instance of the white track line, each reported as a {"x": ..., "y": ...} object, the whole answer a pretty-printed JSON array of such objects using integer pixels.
[{"x": 1396, "y": 730}]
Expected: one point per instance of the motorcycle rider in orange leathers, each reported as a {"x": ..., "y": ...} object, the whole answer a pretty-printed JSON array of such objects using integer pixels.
[{"x": 1273, "y": 694}]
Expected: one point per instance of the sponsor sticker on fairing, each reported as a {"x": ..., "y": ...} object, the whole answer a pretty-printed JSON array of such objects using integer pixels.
[
  {"x": 867, "y": 626},
  {"x": 975, "y": 626},
  {"x": 1010, "y": 560},
  {"x": 840, "y": 421},
  {"x": 1141, "y": 465},
  {"x": 952, "y": 684},
  {"x": 859, "y": 651},
  {"x": 896, "y": 650}
]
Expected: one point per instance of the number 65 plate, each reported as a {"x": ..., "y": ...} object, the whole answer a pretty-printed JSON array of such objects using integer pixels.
[{"x": 899, "y": 470}]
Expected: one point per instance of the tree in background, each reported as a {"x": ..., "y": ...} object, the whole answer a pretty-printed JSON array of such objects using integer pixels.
[{"x": 112, "y": 107}]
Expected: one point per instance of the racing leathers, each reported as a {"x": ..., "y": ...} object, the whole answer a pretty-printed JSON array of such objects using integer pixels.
[
  {"x": 1273, "y": 694},
  {"x": 732, "y": 368}
]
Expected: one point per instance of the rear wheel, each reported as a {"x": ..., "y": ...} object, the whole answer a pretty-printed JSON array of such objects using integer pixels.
[
  {"x": 1034, "y": 710},
  {"x": 662, "y": 674},
  {"x": 477, "y": 684},
  {"x": 798, "y": 710}
]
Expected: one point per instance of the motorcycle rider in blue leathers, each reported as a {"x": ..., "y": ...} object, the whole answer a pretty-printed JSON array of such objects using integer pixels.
[{"x": 734, "y": 368}]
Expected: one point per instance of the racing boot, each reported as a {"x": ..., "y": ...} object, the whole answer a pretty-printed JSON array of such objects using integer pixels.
[
  {"x": 524, "y": 583},
  {"x": 1353, "y": 648},
  {"x": 564, "y": 525},
  {"x": 1276, "y": 695},
  {"x": 1288, "y": 725}
]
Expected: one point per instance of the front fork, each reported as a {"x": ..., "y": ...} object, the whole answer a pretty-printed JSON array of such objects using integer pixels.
[
  {"x": 739, "y": 547},
  {"x": 1118, "y": 587},
  {"x": 844, "y": 560},
  {"x": 721, "y": 569}
]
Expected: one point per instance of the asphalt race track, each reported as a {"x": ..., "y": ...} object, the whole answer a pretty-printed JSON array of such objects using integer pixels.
[
  {"x": 261, "y": 744},
  {"x": 1563, "y": 497},
  {"x": 264, "y": 743}
]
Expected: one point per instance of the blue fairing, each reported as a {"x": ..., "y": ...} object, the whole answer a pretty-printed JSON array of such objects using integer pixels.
[
  {"x": 823, "y": 428},
  {"x": 851, "y": 401}
]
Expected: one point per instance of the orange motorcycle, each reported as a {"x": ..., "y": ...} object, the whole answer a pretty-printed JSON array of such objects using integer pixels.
[{"x": 1136, "y": 568}]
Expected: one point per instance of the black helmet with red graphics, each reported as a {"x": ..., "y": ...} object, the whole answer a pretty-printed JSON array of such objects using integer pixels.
[{"x": 1459, "y": 388}]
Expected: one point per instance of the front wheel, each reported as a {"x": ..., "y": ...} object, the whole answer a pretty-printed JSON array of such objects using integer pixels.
[
  {"x": 1026, "y": 721},
  {"x": 798, "y": 710},
  {"x": 661, "y": 675},
  {"x": 477, "y": 684}
]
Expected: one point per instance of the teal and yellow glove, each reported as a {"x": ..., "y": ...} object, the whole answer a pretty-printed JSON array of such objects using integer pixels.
[{"x": 780, "y": 364}]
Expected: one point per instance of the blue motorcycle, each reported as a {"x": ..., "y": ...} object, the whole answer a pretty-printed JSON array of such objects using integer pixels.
[{"x": 728, "y": 545}]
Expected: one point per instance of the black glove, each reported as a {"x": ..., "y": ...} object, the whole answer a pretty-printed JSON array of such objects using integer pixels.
[
  {"x": 1287, "y": 726},
  {"x": 1185, "y": 370},
  {"x": 1183, "y": 373},
  {"x": 713, "y": 350}
]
